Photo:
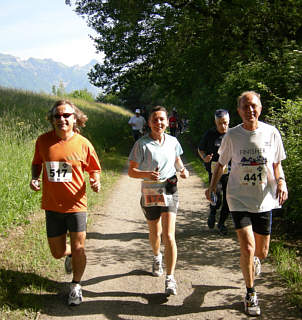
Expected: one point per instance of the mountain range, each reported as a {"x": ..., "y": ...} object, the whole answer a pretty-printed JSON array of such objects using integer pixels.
[{"x": 40, "y": 75}]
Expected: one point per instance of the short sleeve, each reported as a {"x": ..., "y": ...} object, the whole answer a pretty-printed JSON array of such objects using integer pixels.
[
  {"x": 136, "y": 153},
  {"x": 37, "y": 159},
  {"x": 225, "y": 150}
]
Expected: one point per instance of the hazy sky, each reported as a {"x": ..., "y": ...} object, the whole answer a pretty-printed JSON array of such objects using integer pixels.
[{"x": 45, "y": 29}]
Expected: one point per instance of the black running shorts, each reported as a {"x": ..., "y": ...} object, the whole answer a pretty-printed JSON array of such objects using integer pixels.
[
  {"x": 261, "y": 222},
  {"x": 58, "y": 223}
]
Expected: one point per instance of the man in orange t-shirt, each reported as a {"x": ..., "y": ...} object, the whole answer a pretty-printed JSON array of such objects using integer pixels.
[{"x": 64, "y": 155}]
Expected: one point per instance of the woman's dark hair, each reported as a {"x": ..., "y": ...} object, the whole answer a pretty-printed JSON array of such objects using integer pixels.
[
  {"x": 80, "y": 117},
  {"x": 158, "y": 108}
]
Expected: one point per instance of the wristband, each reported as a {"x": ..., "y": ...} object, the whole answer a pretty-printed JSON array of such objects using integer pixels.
[{"x": 280, "y": 178}]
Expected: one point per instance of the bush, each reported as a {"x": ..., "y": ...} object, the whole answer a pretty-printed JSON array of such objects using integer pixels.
[
  {"x": 83, "y": 94},
  {"x": 288, "y": 121}
]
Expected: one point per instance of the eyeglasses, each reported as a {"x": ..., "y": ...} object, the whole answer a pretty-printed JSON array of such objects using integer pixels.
[{"x": 64, "y": 115}]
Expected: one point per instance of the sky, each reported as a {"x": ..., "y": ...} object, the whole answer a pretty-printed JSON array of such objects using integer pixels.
[{"x": 45, "y": 29}]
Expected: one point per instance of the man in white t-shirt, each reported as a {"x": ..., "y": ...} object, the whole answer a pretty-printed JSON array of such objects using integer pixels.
[
  {"x": 256, "y": 185},
  {"x": 137, "y": 123}
]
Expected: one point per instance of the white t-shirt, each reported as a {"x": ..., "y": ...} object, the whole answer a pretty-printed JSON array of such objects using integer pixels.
[
  {"x": 252, "y": 184},
  {"x": 149, "y": 154},
  {"x": 138, "y": 122}
]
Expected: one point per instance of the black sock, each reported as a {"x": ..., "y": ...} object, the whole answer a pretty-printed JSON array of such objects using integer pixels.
[
  {"x": 77, "y": 282},
  {"x": 249, "y": 291}
]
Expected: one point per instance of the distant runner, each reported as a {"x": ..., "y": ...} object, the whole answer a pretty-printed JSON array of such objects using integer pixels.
[
  {"x": 155, "y": 158},
  {"x": 256, "y": 186},
  {"x": 63, "y": 155},
  {"x": 137, "y": 124}
]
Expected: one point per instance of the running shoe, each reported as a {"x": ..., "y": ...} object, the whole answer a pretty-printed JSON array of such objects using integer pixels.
[
  {"x": 257, "y": 266},
  {"x": 251, "y": 305},
  {"x": 170, "y": 286},
  {"x": 75, "y": 294},
  {"x": 157, "y": 267},
  {"x": 68, "y": 264},
  {"x": 211, "y": 220}
]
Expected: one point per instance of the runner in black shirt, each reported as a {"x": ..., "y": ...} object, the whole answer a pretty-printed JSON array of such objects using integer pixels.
[{"x": 208, "y": 151}]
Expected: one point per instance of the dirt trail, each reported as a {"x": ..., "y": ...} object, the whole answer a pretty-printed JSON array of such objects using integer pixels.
[{"x": 117, "y": 283}]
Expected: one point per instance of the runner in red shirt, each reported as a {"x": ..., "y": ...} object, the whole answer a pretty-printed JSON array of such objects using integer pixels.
[{"x": 64, "y": 155}]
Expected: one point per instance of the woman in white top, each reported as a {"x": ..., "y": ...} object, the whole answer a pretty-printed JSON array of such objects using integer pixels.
[{"x": 155, "y": 158}]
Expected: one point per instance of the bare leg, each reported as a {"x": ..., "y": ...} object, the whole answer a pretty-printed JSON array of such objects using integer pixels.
[
  {"x": 155, "y": 230},
  {"x": 168, "y": 223},
  {"x": 247, "y": 249},
  {"x": 58, "y": 246},
  {"x": 77, "y": 240},
  {"x": 262, "y": 245}
]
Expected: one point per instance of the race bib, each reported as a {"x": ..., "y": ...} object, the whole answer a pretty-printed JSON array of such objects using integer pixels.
[
  {"x": 59, "y": 171},
  {"x": 253, "y": 175},
  {"x": 213, "y": 165},
  {"x": 154, "y": 194}
]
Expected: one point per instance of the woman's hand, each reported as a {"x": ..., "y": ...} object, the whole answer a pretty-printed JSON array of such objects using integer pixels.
[{"x": 184, "y": 173}]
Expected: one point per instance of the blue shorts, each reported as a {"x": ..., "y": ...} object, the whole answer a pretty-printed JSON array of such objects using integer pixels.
[
  {"x": 58, "y": 223},
  {"x": 261, "y": 222}
]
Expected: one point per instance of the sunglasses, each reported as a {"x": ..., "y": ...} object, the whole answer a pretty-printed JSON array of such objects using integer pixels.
[{"x": 64, "y": 115}]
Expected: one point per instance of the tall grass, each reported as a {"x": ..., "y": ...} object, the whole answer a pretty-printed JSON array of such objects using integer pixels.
[
  {"x": 27, "y": 270},
  {"x": 22, "y": 119}
]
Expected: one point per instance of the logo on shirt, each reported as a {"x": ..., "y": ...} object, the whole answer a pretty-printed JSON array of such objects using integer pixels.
[{"x": 257, "y": 161}]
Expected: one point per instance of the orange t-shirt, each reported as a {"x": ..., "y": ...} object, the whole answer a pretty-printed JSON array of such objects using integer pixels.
[{"x": 64, "y": 163}]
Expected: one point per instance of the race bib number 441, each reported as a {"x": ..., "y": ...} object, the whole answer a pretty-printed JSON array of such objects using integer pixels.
[
  {"x": 59, "y": 171},
  {"x": 253, "y": 175}
]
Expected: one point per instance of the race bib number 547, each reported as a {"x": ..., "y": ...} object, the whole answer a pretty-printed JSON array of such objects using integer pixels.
[{"x": 59, "y": 171}]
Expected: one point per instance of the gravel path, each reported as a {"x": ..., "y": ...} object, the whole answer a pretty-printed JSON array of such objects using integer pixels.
[{"x": 117, "y": 283}]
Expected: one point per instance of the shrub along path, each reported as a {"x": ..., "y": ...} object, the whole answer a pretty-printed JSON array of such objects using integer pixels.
[{"x": 118, "y": 284}]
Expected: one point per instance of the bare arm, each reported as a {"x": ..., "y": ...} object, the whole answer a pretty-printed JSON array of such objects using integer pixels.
[
  {"x": 206, "y": 158},
  {"x": 281, "y": 193},
  {"x": 215, "y": 178},
  {"x": 35, "y": 177},
  {"x": 94, "y": 179},
  {"x": 134, "y": 172},
  {"x": 184, "y": 173}
]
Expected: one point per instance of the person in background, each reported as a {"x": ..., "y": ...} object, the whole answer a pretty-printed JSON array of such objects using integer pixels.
[
  {"x": 63, "y": 155},
  {"x": 256, "y": 186},
  {"x": 155, "y": 158},
  {"x": 208, "y": 152},
  {"x": 137, "y": 123},
  {"x": 173, "y": 123}
]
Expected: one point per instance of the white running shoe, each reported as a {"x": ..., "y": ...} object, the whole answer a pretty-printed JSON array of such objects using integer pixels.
[
  {"x": 257, "y": 266},
  {"x": 170, "y": 286},
  {"x": 251, "y": 305},
  {"x": 75, "y": 294},
  {"x": 157, "y": 267},
  {"x": 68, "y": 264}
]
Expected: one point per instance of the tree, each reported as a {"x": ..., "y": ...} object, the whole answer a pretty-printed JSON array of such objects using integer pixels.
[{"x": 186, "y": 47}]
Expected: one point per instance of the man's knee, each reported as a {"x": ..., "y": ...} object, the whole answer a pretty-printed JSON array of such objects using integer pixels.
[{"x": 247, "y": 249}]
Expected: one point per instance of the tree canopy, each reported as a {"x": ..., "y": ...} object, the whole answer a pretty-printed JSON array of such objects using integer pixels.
[{"x": 189, "y": 53}]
